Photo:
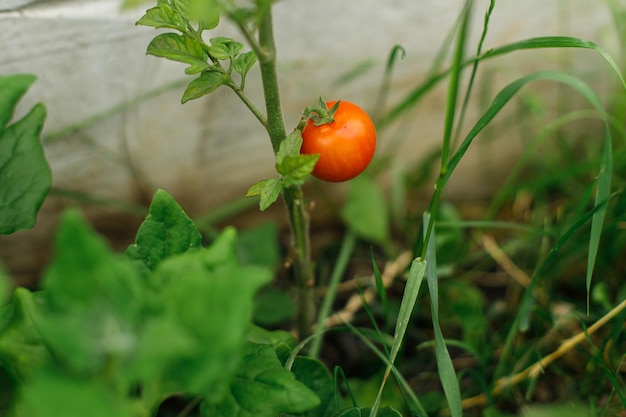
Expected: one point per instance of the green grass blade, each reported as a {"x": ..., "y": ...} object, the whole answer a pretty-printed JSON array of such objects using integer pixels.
[
  {"x": 534, "y": 280},
  {"x": 557, "y": 42},
  {"x": 414, "y": 96},
  {"x": 447, "y": 375},
  {"x": 606, "y": 166},
  {"x": 602, "y": 194},
  {"x": 347, "y": 247},
  {"x": 503, "y": 97},
  {"x": 474, "y": 71},
  {"x": 413, "y": 284},
  {"x": 408, "y": 391},
  {"x": 453, "y": 86}
]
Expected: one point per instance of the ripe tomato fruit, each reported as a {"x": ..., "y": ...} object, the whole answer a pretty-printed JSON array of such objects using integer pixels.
[{"x": 346, "y": 145}]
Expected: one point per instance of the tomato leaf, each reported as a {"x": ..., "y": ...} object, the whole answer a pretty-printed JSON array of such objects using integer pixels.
[
  {"x": 206, "y": 83},
  {"x": 12, "y": 88},
  {"x": 256, "y": 189},
  {"x": 244, "y": 62},
  {"x": 91, "y": 296},
  {"x": 22, "y": 352},
  {"x": 181, "y": 48},
  {"x": 24, "y": 172},
  {"x": 224, "y": 48},
  {"x": 163, "y": 16},
  {"x": 54, "y": 390},
  {"x": 207, "y": 297},
  {"x": 295, "y": 168},
  {"x": 166, "y": 231},
  {"x": 290, "y": 146},
  {"x": 262, "y": 388},
  {"x": 270, "y": 193},
  {"x": 269, "y": 190}
]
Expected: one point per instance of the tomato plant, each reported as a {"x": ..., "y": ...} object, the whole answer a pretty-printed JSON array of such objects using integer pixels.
[{"x": 346, "y": 145}]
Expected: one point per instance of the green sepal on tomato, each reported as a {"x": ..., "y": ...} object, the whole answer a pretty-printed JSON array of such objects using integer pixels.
[{"x": 346, "y": 145}]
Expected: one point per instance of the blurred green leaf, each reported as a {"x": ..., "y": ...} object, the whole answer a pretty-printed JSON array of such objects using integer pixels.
[
  {"x": 273, "y": 306},
  {"x": 205, "y": 12},
  {"x": 262, "y": 388},
  {"x": 94, "y": 299},
  {"x": 464, "y": 307},
  {"x": 207, "y": 298},
  {"x": 166, "y": 231},
  {"x": 22, "y": 352},
  {"x": 24, "y": 172},
  {"x": 52, "y": 391},
  {"x": 260, "y": 246},
  {"x": 365, "y": 211}
]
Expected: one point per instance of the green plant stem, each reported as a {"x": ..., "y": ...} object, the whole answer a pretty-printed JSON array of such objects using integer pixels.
[
  {"x": 301, "y": 253},
  {"x": 298, "y": 216},
  {"x": 249, "y": 104},
  {"x": 275, "y": 122}
]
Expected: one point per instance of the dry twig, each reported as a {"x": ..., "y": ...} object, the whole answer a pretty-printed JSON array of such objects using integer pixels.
[{"x": 355, "y": 302}]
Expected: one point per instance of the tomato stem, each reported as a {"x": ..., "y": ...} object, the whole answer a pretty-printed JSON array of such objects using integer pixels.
[
  {"x": 320, "y": 114},
  {"x": 294, "y": 201}
]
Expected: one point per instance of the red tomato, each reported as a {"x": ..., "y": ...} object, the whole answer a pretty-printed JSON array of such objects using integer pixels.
[{"x": 346, "y": 145}]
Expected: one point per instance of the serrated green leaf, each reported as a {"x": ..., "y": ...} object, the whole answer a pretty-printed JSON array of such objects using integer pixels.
[
  {"x": 210, "y": 303},
  {"x": 94, "y": 298},
  {"x": 22, "y": 352},
  {"x": 181, "y": 48},
  {"x": 245, "y": 62},
  {"x": 295, "y": 168},
  {"x": 198, "y": 68},
  {"x": 365, "y": 211},
  {"x": 12, "y": 88},
  {"x": 163, "y": 16},
  {"x": 269, "y": 190},
  {"x": 206, "y": 83},
  {"x": 24, "y": 172},
  {"x": 262, "y": 388},
  {"x": 256, "y": 189},
  {"x": 224, "y": 48},
  {"x": 219, "y": 51},
  {"x": 290, "y": 146},
  {"x": 166, "y": 231}
]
